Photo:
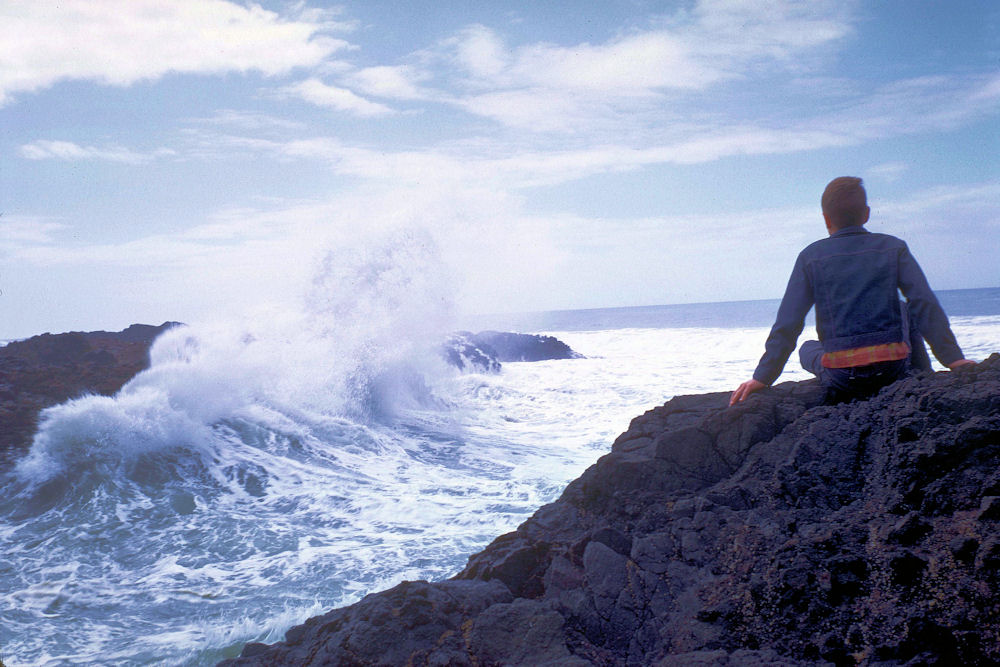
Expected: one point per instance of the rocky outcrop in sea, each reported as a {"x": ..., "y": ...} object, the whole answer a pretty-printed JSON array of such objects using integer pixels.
[
  {"x": 485, "y": 352},
  {"x": 782, "y": 531},
  {"x": 45, "y": 370}
]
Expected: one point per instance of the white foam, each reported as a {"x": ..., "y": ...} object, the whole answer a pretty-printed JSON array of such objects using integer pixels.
[{"x": 368, "y": 324}]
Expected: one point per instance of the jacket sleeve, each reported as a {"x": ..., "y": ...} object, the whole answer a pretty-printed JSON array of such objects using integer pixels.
[
  {"x": 788, "y": 325},
  {"x": 932, "y": 323}
]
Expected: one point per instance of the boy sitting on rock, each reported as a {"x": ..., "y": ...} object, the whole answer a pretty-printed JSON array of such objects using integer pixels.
[{"x": 868, "y": 338}]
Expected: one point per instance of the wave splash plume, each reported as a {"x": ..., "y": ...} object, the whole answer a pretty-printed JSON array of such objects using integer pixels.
[{"x": 278, "y": 465}]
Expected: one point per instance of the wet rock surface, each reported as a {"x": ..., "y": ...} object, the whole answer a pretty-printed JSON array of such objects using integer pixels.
[
  {"x": 779, "y": 532},
  {"x": 485, "y": 351},
  {"x": 524, "y": 347},
  {"x": 49, "y": 369}
]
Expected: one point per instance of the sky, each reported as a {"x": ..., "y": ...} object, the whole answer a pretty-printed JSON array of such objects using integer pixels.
[{"x": 190, "y": 159}]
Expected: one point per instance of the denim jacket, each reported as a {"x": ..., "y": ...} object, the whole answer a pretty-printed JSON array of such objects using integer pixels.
[{"x": 854, "y": 278}]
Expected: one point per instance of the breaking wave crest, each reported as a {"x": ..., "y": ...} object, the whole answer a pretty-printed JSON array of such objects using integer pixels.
[{"x": 360, "y": 348}]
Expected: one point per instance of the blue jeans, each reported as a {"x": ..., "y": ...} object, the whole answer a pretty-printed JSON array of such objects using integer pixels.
[
  {"x": 847, "y": 383},
  {"x": 863, "y": 381}
]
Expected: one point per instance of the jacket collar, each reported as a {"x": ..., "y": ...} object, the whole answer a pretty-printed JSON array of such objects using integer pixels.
[{"x": 850, "y": 231}]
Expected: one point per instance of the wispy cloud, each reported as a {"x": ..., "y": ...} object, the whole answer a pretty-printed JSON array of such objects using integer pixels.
[
  {"x": 552, "y": 88},
  {"x": 627, "y": 65},
  {"x": 991, "y": 89},
  {"x": 731, "y": 36},
  {"x": 927, "y": 103},
  {"x": 321, "y": 94},
  {"x": 66, "y": 150},
  {"x": 247, "y": 120},
  {"x": 120, "y": 42},
  {"x": 612, "y": 106},
  {"x": 401, "y": 82},
  {"x": 887, "y": 171},
  {"x": 16, "y": 231},
  {"x": 941, "y": 208},
  {"x": 953, "y": 231}
]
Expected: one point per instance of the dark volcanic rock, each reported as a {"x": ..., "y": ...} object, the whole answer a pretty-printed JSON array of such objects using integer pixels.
[
  {"x": 778, "y": 532},
  {"x": 49, "y": 369},
  {"x": 462, "y": 351},
  {"x": 524, "y": 347},
  {"x": 483, "y": 352}
]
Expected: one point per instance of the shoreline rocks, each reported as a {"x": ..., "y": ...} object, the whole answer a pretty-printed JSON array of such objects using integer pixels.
[
  {"x": 484, "y": 352},
  {"x": 781, "y": 531},
  {"x": 524, "y": 347},
  {"x": 49, "y": 369}
]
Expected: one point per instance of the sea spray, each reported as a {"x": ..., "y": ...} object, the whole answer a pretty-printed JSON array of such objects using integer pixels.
[
  {"x": 250, "y": 457},
  {"x": 365, "y": 333}
]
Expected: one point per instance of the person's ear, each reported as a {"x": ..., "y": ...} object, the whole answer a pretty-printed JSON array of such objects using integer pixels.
[
  {"x": 830, "y": 229},
  {"x": 868, "y": 213}
]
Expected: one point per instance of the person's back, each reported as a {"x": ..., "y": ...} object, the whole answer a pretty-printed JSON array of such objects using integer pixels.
[{"x": 868, "y": 338}]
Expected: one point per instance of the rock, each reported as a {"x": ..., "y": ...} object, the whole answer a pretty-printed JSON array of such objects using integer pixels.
[
  {"x": 524, "y": 347},
  {"x": 462, "y": 351},
  {"x": 781, "y": 531},
  {"x": 51, "y": 368},
  {"x": 413, "y": 623},
  {"x": 483, "y": 352}
]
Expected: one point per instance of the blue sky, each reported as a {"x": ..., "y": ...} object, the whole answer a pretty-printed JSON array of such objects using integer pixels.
[{"x": 188, "y": 159}]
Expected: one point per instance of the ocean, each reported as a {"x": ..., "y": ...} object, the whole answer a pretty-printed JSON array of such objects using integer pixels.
[{"x": 263, "y": 472}]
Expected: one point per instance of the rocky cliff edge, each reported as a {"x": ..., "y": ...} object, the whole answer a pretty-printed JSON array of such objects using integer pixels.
[
  {"x": 51, "y": 368},
  {"x": 780, "y": 532}
]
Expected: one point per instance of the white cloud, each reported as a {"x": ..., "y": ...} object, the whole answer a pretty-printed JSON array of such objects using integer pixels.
[
  {"x": 21, "y": 230},
  {"x": 248, "y": 120},
  {"x": 917, "y": 105},
  {"x": 398, "y": 82},
  {"x": 952, "y": 230},
  {"x": 898, "y": 109},
  {"x": 494, "y": 163},
  {"x": 735, "y": 33},
  {"x": 943, "y": 207},
  {"x": 991, "y": 88},
  {"x": 481, "y": 52},
  {"x": 545, "y": 110},
  {"x": 66, "y": 150},
  {"x": 634, "y": 64},
  {"x": 316, "y": 92},
  {"x": 887, "y": 171},
  {"x": 207, "y": 144},
  {"x": 120, "y": 42},
  {"x": 553, "y": 88},
  {"x": 329, "y": 17}
]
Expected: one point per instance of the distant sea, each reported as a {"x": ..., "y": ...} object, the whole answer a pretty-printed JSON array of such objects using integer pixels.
[
  {"x": 726, "y": 314},
  {"x": 253, "y": 477}
]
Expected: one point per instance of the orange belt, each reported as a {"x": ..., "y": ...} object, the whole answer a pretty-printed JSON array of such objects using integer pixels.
[{"x": 865, "y": 356}]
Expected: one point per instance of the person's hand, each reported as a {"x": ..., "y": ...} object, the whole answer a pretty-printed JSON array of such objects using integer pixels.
[
  {"x": 744, "y": 390},
  {"x": 961, "y": 363}
]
